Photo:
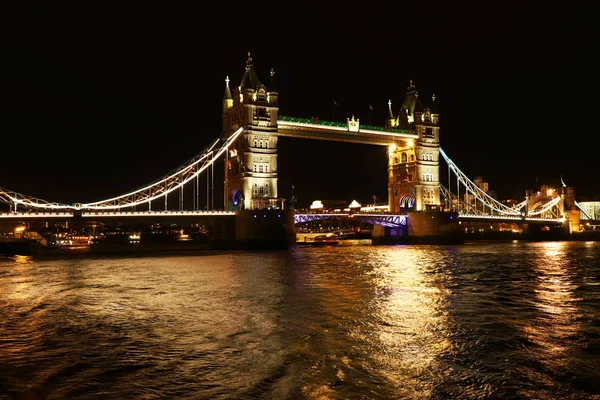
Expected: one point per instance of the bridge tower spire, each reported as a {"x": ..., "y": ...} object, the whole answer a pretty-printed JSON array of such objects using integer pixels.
[
  {"x": 251, "y": 163},
  {"x": 390, "y": 121},
  {"x": 227, "y": 99}
]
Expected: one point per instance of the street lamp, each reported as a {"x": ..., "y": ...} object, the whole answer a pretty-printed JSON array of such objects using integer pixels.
[{"x": 293, "y": 199}]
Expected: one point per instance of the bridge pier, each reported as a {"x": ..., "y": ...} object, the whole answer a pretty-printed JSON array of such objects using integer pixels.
[
  {"x": 546, "y": 232},
  {"x": 387, "y": 235},
  {"x": 265, "y": 229},
  {"x": 223, "y": 232},
  {"x": 423, "y": 227}
]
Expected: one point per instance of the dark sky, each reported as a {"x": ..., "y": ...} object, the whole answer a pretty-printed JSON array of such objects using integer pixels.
[{"x": 100, "y": 101}]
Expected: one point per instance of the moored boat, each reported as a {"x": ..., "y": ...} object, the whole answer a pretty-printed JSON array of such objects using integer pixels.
[{"x": 325, "y": 239}]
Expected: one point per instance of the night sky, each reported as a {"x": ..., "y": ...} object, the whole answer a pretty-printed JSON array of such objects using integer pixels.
[{"x": 101, "y": 101}]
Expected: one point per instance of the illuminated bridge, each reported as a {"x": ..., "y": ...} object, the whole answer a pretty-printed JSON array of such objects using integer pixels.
[
  {"x": 166, "y": 198},
  {"x": 247, "y": 150}
]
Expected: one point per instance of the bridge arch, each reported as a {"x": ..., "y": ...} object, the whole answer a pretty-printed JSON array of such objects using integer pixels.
[
  {"x": 407, "y": 201},
  {"x": 238, "y": 199}
]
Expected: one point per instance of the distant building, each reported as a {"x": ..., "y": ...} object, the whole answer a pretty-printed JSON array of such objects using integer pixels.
[{"x": 471, "y": 200}]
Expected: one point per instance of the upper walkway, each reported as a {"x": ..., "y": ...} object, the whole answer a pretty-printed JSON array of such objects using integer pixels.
[{"x": 351, "y": 131}]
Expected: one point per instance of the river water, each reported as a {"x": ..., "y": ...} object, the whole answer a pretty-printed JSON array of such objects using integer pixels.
[{"x": 513, "y": 320}]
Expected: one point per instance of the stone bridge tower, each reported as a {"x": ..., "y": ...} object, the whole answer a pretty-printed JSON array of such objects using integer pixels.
[
  {"x": 414, "y": 166},
  {"x": 251, "y": 162}
]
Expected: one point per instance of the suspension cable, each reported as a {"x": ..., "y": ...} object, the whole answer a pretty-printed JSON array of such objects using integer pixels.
[
  {"x": 476, "y": 191},
  {"x": 146, "y": 194}
]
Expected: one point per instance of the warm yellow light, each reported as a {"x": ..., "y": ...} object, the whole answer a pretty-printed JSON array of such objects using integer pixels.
[
  {"x": 19, "y": 229},
  {"x": 549, "y": 192},
  {"x": 316, "y": 204},
  {"x": 410, "y": 143},
  {"x": 392, "y": 148},
  {"x": 354, "y": 204}
]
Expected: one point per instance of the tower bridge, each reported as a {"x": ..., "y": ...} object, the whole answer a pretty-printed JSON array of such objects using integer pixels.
[{"x": 419, "y": 203}]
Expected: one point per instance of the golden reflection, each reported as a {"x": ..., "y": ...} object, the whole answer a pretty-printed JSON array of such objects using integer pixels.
[
  {"x": 413, "y": 319},
  {"x": 554, "y": 292},
  {"x": 395, "y": 312},
  {"x": 22, "y": 259},
  {"x": 20, "y": 285},
  {"x": 20, "y": 293}
]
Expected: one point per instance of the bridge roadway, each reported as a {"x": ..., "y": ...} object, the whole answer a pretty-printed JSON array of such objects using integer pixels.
[
  {"x": 20, "y": 216},
  {"x": 507, "y": 218},
  {"x": 389, "y": 220},
  {"x": 379, "y": 219}
]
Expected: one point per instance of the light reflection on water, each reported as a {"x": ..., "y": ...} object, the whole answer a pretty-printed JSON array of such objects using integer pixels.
[{"x": 485, "y": 320}]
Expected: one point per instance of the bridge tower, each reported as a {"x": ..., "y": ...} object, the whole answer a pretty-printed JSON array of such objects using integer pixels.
[
  {"x": 251, "y": 162},
  {"x": 413, "y": 166}
]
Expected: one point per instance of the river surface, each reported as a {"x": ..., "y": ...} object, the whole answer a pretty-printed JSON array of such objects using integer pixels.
[{"x": 513, "y": 320}]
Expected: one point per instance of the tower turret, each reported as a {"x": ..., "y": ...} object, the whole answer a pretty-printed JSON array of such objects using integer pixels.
[
  {"x": 272, "y": 94},
  {"x": 249, "y": 81},
  {"x": 418, "y": 109},
  {"x": 390, "y": 120},
  {"x": 435, "y": 115},
  {"x": 227, "y": 99},
  {"x": 410, "y": 100}
]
